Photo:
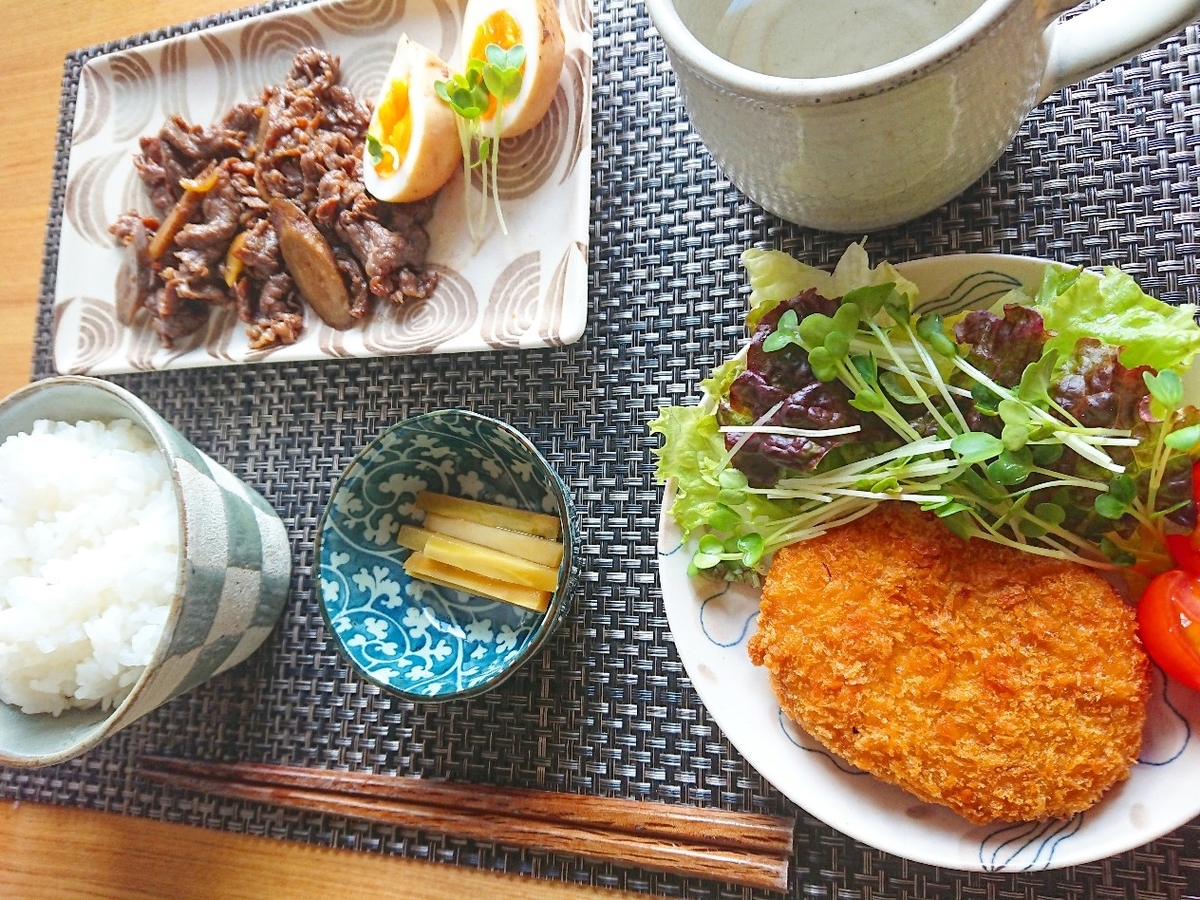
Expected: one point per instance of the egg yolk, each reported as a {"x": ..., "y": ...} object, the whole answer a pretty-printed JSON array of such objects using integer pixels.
[
  {"x": 394, "y": 118},
  {"x": 501, "y": 29}
]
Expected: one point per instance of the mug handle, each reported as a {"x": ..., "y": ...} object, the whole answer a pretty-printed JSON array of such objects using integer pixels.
[{"x": 1107, "y": 34}]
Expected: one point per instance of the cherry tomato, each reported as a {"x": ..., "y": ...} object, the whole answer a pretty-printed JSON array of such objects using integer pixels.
[
  {"x": 1169, "y": 622},
  {"x": 1185, "y": 548}
]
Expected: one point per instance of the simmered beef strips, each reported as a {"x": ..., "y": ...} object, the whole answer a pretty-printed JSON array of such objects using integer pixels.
[{"x": 212, "y": 242}]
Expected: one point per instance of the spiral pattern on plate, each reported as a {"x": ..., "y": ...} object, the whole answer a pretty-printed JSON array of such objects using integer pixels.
[
  {"x": 550, "y": 322},
  {"x": 513, "y": 305},
  {"x": 219, "y": 332},
  {"x": 98, "y": 336},
  {"x": 225, "y": 66},
  {"x": 172, "y": 68},
  {"x": 363, "y": 73},
  {"x": 268, "y": 47},
  {"x": 144, "y": 346},
  {"x": 528, "y": 160},
  {"x": 135, "y": 95},
  {"x": 360, "y": 16},
  {"x": 451, "y": 23},
  {"x": 133, "y": 195},
  {"x": 330, "y": 341},
  {"x": 577, "y": 16},
  {"x": 95, "y": 112},
  {"x": 577, "y": 68},
  {"x": 421, "y": 326},
  {"x": 83, "y": 204}
]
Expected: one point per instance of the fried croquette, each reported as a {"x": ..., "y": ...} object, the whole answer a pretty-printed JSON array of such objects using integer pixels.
[{"x": 1004, "y": 685}]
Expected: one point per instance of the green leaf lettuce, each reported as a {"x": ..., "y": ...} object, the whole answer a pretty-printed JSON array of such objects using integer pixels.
[
  {"x": 1113, "y": 309},
  {"x": 776, "y": 276}
]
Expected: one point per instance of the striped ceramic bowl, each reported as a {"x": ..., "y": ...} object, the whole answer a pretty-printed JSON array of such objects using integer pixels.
[{"x": 233, "y": 576}]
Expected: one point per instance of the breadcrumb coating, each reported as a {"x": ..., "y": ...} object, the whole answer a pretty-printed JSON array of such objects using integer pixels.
[{"x": 1006, "y": 686}]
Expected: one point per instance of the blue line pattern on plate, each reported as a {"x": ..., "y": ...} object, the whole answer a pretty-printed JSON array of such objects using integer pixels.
[
  {"x": 790, "y": 730},
  {"x": 731, "y": 621},
  {"x": 976, "y": 291},
  {"x": 1028, "y": 845},
  {"x": 1166, "y": 712}
]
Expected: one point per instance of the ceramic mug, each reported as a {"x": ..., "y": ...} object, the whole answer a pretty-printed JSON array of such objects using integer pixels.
[{"x": 861, "y": 114}]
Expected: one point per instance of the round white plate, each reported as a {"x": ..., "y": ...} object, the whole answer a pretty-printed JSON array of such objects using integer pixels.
[{"x": 712, "y": 622}]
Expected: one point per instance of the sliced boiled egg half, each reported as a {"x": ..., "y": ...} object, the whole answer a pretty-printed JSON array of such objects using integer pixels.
[
  {"x": 412, "y": 145},
  {"x": 534, "y": 24}
]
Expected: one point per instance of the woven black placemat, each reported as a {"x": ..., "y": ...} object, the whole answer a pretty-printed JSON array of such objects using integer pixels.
[{"x": 1104, "y": 172}]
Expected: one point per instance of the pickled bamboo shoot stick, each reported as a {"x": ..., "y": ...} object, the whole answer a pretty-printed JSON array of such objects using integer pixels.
[
  {"x": 493, "y": 514},
  {"x": 527, "y": 546},
  {"x": 418, "y": 565},
  {"x": 490, "y": 563}
]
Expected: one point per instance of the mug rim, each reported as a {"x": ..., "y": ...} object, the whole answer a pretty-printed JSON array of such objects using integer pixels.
[{"x": 683, "y": 45}]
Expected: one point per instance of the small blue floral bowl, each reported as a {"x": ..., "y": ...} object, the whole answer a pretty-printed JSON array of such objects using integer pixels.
[{"x": 412, "y": 638}]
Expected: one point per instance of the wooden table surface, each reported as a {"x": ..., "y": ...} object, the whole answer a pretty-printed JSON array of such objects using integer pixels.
[{"x": 62, "y": 851}]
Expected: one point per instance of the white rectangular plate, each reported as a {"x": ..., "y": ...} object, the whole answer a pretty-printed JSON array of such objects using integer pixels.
[{"x": 526, "y": 288}]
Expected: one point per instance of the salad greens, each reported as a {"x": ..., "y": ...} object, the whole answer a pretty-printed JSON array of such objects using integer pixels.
[
  {"x": 1113, "y": 309},
  {"x": 1053, "y": 422}
]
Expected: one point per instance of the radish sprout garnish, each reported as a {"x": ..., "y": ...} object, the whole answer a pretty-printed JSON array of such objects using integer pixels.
[
  {"x": 983, "y": 418},
  {"x": 471, "y": 94}
]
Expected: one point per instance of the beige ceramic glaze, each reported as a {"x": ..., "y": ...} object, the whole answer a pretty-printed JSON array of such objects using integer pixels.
[{"x": 868, "y": 149}]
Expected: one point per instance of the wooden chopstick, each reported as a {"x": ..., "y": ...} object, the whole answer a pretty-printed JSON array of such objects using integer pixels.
[
  {"x": 719, "y": 828},
  {"x": 739, "y": 848}
]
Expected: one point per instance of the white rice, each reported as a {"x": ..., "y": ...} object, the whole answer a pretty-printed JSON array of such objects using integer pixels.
[{"x": 89, "y": 543}]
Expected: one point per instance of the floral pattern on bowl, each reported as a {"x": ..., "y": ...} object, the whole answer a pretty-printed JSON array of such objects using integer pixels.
[{"x": 416, "y": 639}]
